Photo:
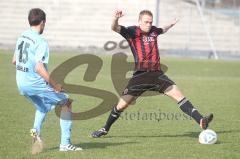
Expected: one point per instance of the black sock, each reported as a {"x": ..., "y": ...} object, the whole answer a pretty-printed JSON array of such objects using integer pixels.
[
  {"x": 187, "y": 107},
  {"x": 114, "y": 115}
]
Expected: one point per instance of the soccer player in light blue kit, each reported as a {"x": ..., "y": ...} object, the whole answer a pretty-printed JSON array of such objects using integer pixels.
[{"x": 33, "y": 80}]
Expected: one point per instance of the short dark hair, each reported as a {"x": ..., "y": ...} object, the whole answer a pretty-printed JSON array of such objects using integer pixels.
[
  {"x": 145, "y": 12},
  {"x": 36, "y": 16}
]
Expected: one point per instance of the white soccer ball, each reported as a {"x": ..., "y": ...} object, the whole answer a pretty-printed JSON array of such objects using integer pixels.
[{"x": 207, "y": 137}]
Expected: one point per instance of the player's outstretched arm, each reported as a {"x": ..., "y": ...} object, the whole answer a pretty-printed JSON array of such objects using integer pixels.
[
  {"x": 45, "y": 75},
  {"x": 167, "y": 27},
  {"x": 115, "y": 26}
]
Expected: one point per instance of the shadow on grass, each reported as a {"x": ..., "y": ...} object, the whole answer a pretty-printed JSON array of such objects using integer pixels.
[
  {"x": 102, "y": 145},
  {"x": 92, "y": 145},
  {"x": 186, "y": 134}
]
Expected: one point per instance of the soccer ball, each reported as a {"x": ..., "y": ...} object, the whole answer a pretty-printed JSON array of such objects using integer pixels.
[{"x": 207, "y": 137}]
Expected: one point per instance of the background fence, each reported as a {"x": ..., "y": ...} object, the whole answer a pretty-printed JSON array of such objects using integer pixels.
[{"x": 85, "y": 25}]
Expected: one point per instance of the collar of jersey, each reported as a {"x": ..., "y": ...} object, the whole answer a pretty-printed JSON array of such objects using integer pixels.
[{"x": 34, "y": 31}]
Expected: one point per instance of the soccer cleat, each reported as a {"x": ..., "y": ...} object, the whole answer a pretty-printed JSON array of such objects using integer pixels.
[
  {"x": 69, "y": 147},
  {"x": 205, "y": 121},
  {"x": 37, "y": 144},
  {"x": 99, "y": 133},
  {"x": 33, "y": 132},
  {"x": 35, "y": 136}
]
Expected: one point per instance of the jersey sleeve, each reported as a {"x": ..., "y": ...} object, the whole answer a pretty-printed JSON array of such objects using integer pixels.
[
  {"x": 157, "y": 30},
  {"x": 127, "y": 32},
  {"x": 42, "y": 52}
]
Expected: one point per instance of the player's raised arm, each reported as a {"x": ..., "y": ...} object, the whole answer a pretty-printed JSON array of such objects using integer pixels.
[
  {"x": 167, "y": 27},
  {"x": 115, "y": 26}
]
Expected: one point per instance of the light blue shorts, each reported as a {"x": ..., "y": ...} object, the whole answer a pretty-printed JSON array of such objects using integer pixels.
[{"x": 47, "y": 101}]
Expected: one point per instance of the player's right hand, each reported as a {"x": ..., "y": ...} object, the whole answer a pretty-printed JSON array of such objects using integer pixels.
[
  {"x": 58, "y": 88},
  {"x": 118, "y": 14}
]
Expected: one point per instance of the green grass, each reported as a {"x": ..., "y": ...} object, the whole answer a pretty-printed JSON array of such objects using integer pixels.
[{"x": 213, "y": 86}]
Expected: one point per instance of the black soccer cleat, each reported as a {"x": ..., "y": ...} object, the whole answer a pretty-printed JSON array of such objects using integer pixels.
[
  {"x": 99, "y": 133},
  {"x": 205, "y": 121}
]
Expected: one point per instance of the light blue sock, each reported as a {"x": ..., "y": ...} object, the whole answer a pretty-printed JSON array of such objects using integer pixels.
[
  {"x": 39, "y": 118},
  {"x": 66, "y": 125}
]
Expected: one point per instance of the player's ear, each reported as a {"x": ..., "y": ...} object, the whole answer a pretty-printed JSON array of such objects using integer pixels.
[
  {"x": 43, "y": 22},
  {"x": 140, "y": 21}
]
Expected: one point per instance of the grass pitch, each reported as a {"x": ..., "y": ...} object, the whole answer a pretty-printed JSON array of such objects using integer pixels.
[{"x": 148, "y": 129}]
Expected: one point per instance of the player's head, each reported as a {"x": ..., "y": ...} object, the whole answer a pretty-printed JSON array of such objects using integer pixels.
[
  {"x": 37, "y": 17},
  {"x": 145, "y": 20}
]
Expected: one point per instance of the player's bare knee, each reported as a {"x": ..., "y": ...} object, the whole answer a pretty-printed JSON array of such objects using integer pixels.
[
  {"x": 178, "y": 94},
  {"x": 121, "y": 106},
  {"x": 124, "y": 102},
  {"x": 174, "y": 93}
]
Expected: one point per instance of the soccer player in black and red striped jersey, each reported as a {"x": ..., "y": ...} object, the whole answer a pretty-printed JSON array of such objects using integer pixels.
[{"x": 148, "y": 75}]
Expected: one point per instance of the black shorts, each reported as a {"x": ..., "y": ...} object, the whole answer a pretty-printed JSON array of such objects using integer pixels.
[{"x": 142, "y": 81}]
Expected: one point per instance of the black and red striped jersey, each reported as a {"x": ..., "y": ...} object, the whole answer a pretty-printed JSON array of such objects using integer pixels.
[{"x": 143, "y": 46}]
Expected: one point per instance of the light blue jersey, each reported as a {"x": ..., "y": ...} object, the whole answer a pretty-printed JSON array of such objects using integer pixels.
[{"x": 30, "y": 49}]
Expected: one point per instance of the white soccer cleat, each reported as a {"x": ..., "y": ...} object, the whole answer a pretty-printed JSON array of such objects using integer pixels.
[{"x": 69, "y": 147}]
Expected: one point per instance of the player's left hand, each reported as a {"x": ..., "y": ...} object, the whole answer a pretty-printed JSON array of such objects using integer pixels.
[{"x": 118, "y": 14}]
